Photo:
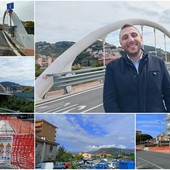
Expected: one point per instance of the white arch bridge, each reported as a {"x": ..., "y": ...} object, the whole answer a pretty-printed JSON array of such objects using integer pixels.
[
  {"x": 15, "y": 32},
  {"x": 64, "y": 62}
]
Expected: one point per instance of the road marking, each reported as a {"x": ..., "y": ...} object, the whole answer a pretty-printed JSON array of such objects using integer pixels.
[
  {"x": 92, "y": 108},
  {"x": 44, "y": 108},
  {"x": 60, "y": 110},
  {"x": 76, "y": 108},
  {"x": 14, "y": 50},
  {"x": 149, "y": 162},
  {"x": 81, "y": 107},
  {"x": 71, "y": 95}
]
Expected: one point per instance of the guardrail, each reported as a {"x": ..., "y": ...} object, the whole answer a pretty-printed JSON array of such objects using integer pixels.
[
  {"x": 9, "y": 110},
  {"x": 168, "y": 66},
  {"x": 76, "y": 77},
  {"x": 62, "y": 80}
]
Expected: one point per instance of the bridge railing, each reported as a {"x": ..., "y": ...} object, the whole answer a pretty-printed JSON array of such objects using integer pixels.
[
  {"x": 8, "y": 110},
  {"x": 63, "y": 80},
  {"x": 168, "y": 66}
]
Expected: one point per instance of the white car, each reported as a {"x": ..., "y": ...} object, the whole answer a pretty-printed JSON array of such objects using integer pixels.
[{"x": 45, "y": 165}]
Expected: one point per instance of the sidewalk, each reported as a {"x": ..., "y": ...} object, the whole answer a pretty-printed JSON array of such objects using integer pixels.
[
  {"x": 75, "y": 89},
  {"x": 162, "y": 149}
]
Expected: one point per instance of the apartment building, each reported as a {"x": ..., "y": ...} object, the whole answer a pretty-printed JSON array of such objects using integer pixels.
[{"x": 46, "y": 145}]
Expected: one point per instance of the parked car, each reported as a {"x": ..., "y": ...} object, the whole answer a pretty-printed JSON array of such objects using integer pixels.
[
  {"x": 45, "y": 165},
  {"x": 67, "y": 164},
  {"x": 102, "y": 166},
  {"x": 59, "y": 165},
  {"x": 112, "y": 165},
  {"x": 80, "y": 162}
]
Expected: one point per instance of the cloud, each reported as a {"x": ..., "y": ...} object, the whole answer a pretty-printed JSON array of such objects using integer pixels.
[
  {"x": 88, "y": 131},
  {"x": 165, "y": 16},
  {"x": 24, "y": 10},
  {"x": 74, "y": 24},
  {"x": 19, "y": 70},
  {"x": 94, "y": 147}
]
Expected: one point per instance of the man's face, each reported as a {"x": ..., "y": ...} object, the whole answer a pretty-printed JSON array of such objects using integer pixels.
[{"x": 131, "y": 41}]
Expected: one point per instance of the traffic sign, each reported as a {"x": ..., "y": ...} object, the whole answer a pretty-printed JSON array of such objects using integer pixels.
[{"x": 10, "y": 6}]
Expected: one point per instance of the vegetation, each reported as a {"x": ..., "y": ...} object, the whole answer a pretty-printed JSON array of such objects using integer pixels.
[
  {"x": 29, "y": 26},
  {"x": 64, "y": 156},
  {"x": 143, "y": 138},
  {"x": 38, "y": 70},
  {"x": 17, "y": 103}
]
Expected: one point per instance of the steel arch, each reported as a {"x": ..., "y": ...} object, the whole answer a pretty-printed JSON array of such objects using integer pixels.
[{"x": 64, "y": 61}]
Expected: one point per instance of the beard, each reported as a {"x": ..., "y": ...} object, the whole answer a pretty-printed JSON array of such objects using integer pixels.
[{"x": 134, "y": 52}]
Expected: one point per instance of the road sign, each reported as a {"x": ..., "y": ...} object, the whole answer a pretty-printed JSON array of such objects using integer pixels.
[
  {"x": 5, "y": 149},
  {"x": 10, "y": 6}
]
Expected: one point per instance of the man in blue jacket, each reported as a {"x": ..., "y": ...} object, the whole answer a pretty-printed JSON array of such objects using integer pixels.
[{"x": 136, "y": 82}]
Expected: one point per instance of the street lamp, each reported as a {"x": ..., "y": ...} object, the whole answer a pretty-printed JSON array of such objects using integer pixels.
[
  {"x": 160, "y": 126},
  {"x": 160, "y": 132},
  {"x": 104, "y": 50}
]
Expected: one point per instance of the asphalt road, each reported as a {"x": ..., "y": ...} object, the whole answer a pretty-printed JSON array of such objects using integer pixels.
[
  {"x": 89, "y": 101},
  {"x": 5, "y": 48},
  {"x": 152, "y": 160}
]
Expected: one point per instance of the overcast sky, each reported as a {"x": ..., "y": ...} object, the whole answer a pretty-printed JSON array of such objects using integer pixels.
[
  {"x": 24, "y": 9},
  {"x": 17, "y": 69},
  {"x": 73, "y": 20},
  {"x": 152, "y": 124},
  {"x": 89, "y": 132}
]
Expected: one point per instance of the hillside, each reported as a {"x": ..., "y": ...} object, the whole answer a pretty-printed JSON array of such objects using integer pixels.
[
  {"x": 88, "y": 57},
  {"x": 15, "y": 86},
  {"x": 9, "y": 84},
  {"x": 113, "y": 151},
  {"x": 55, "y": 50}
]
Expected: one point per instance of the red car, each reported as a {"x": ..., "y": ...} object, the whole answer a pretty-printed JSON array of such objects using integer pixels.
[{"x": 67, "y": 164}]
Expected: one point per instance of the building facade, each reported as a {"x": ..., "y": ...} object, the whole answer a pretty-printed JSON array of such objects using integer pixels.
[
  {"x": 85, "y": 155},
  {"x": 46, "y": 146}
]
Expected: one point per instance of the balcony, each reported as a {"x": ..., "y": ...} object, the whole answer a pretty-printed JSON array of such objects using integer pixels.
[
  {"x": 38, "y": 125},
  {"x": 38, "y": 129}
]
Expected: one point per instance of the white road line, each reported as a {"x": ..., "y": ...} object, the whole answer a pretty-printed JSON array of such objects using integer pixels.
[
  {"x": 45, "y": 108},
  {"x": 54, "y": 100},
  {"x": 91, "y": 108},
  {"x": 149, "y": 162},
  {"x": 14, "y": 50},
  {"x": 60, "y": 110}
]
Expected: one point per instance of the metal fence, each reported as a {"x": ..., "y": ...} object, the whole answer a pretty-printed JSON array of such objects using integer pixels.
[{"x": 62, "y": 80}]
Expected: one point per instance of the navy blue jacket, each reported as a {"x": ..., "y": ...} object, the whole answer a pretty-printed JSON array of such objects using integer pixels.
[{"x": 126, "y": 90}]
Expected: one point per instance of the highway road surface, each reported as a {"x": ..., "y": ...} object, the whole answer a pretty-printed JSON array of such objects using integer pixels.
[
  {"x": 88, "y": 101},
  {"x": 152, "y": 160},
  {"x": 6, "y": 48}
]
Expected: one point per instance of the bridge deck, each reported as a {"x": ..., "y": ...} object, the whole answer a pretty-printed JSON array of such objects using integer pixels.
[{"x": 5, "y": 127}]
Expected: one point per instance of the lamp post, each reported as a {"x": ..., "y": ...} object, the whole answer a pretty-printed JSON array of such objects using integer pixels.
[
  {"x": 160, "y": 132},
  {"x": 104, "y": 50},
  {"x": 43, "y": 148}
]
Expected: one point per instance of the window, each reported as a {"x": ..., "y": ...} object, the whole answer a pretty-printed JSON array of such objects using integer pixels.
[{"x": 51, "y": 149}]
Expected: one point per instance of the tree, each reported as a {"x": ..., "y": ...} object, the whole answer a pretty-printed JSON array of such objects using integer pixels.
[
  {"x": 60, "y": 152},
  {"x": 67, "y": 157},
  {"x": 138, "y": 138},
  {"x": 78, "y": 157},
  {"x": 145, "y": 137}
]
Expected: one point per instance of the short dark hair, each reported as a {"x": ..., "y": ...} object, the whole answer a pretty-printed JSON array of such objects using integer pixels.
[{"x": 126, "y": 26}]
